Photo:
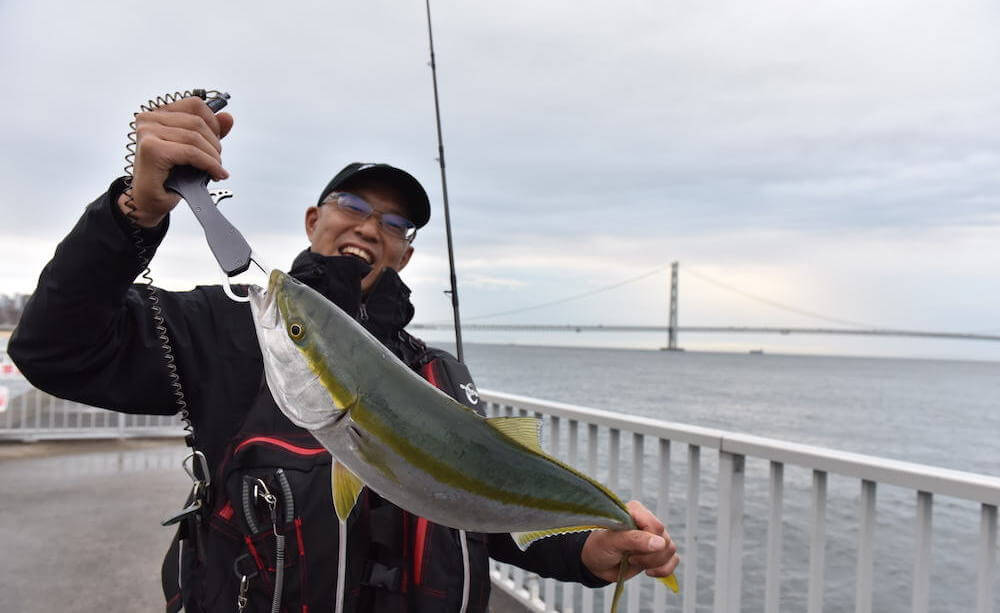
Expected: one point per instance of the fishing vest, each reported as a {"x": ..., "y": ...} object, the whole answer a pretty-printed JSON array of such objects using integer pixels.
[{"x": 270, "y": 507}]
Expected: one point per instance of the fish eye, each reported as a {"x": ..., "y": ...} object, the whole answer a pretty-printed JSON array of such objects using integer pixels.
[{"x": 296, "y": 331}]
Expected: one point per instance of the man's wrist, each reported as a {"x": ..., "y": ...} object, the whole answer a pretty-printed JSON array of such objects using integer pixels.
[{"x": 137, "y": 215}]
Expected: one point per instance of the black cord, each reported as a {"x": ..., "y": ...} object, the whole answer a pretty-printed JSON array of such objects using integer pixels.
[{"x": 142, "y": 251}]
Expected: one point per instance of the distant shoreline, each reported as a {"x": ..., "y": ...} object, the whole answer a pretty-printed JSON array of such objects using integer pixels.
[
  {"x": 5, "y": 335},
  {"x": 769, "y": 353}
]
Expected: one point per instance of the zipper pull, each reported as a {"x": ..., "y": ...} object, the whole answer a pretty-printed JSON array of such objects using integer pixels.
[
  {"x": 260, "y": 491},
  {"x": 363, "y": 312}
]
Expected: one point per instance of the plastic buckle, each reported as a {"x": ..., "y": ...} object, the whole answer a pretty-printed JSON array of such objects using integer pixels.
[{"x": 382, "y": 576}]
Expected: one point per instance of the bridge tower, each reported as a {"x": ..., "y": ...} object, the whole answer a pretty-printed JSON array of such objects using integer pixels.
[{"x": 672, "y": 328}]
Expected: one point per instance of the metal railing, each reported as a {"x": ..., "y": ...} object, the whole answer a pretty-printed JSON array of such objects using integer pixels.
[
  {"x": 712, "y": 525},
  {"x": 35, "y": 415},
  {"x": 721, "y": 579}
]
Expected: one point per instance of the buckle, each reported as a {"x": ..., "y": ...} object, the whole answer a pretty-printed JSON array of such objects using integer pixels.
[{"x": 382, "y": 576}]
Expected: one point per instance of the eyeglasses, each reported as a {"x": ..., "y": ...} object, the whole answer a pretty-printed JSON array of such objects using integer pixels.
[{"x": 394, "y": 225}]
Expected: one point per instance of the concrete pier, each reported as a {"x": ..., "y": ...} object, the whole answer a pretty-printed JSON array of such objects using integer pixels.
[{"x": 80, "y": 524}]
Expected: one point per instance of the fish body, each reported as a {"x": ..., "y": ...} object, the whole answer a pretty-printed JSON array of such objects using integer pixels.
[
  {"x": 414, "y": 445},
  {"x": 404, "y": 438}
]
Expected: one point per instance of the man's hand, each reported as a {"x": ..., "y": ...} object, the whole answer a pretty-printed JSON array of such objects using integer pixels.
[
  {"x": 185, "y": 132},
  {"x": 649, "y": 548}
]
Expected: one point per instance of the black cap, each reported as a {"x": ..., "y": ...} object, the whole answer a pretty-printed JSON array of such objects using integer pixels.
[{"x": 417, "y": 204}]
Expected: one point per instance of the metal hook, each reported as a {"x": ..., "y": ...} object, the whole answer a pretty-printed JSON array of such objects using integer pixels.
[
  {"x": 227, "y": 286},
  {"x": 189, "y": 468}
]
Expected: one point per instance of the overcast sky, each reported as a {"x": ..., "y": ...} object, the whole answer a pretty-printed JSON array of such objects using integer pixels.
[{"x": 839, "y": 157}]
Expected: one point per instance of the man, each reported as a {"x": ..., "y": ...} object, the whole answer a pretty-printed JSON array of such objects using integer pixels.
[{"x": 88, "y": 335}]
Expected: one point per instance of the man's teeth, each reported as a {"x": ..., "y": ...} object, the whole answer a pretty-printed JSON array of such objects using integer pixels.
[{"x": 361, "y": 253}]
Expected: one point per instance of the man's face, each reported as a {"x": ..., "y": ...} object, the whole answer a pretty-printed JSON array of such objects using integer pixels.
[{"x": 332, "y": 232}]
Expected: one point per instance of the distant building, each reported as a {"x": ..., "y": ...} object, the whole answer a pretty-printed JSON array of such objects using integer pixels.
[{"x": 11, "y": 307}]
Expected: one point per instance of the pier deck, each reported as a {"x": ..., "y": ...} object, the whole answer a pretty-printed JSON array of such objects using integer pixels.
[{"x": 80, "y": 523}]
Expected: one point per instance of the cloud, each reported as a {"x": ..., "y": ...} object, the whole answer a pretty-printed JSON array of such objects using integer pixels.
[{"x": 840, "y": 157}]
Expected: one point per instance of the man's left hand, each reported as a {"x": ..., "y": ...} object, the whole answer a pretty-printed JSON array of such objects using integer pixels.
[{"x": 648, "y": 548}]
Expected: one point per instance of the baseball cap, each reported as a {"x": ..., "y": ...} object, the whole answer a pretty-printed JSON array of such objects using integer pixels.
[{"x": 418, "y": 206}]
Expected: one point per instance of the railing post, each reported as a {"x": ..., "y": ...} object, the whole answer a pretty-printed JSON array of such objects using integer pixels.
[
  {"x": 922, "y": 563},
  {"x": 729, "y": 534},
  {"x": 690, "y": 591},
  {"x": 614, "y": 456},
  {"x": 572, "y": 456},
  {"x": 987, "y": 557},
  {"x": 866, "y": 537},
  {"x": 570, "y": 590},
  {"x": 549, "y": 584},
  {"x": 772, "y": 584},
  {"x": 516, "y": 573},
  {"x": 663, "y": 512},
  {"x": 817, "y": 542},
  {"x": 638, "y": 459},
  {"x": 588, "y": 594}
]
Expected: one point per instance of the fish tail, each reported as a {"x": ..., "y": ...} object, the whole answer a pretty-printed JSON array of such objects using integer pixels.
[
  {"x": 620, "y": 586},
  {"x": 671, "y": 582}
]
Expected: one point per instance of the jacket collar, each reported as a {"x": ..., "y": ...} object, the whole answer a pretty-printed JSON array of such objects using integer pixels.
[{"x": 384, "y": 309}]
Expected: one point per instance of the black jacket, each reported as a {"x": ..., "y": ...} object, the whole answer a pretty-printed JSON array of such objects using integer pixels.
[{"x": 87, "y": 334}]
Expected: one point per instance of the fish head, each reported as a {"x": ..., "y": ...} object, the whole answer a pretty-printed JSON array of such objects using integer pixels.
[{"x": 297, "y": 332}]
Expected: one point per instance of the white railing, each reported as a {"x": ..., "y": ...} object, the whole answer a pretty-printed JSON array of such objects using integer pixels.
[
  {"x": 736, "y": 455},
  {"x": 35, "y": 415},
  {"x": 715, "y": 573}
]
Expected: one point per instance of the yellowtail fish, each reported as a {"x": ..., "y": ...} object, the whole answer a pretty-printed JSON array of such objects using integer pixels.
[{"x": 389, "y": 429}]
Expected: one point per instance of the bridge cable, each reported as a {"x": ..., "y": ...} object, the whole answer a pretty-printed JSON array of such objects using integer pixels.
[
  {"x": 703, "y": 277},
  {"x": 574, "y": 296}
]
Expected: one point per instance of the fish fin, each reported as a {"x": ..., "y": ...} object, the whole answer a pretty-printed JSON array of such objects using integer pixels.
[
  {"x": 346, "y": 489},
  {"x": 524, "y": 539},
  {"x": 671, "y": 582},
  {"x": 524, "y": 430}
]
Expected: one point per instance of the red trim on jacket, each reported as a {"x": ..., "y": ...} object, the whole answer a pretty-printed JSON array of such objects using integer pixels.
[
  {"x": 277, "y": 442},
  {"x": 428, "y": 372},
  {"x": 419, "y": 547}
]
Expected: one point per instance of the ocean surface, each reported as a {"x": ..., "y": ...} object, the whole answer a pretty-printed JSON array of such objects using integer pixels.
[
  {"x": 935, "y": 412},
  {"x": 941, "y": 413}
]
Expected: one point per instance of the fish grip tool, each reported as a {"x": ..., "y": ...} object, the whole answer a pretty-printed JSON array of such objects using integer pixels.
[{"x": 231, "y": 250}]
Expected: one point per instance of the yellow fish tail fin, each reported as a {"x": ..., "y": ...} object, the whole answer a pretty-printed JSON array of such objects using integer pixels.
[{"x": 671, "y": 582}]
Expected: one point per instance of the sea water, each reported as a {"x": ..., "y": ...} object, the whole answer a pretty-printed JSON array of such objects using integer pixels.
[{"x": 935, "y": 412}]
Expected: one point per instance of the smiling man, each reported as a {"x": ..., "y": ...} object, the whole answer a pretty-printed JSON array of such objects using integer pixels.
[
  {"x": 369, "y": 211},
  {"x": 89, "y": 335}
]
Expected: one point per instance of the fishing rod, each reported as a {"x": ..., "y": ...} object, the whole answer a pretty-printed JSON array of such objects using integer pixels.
[{"x": 444, "y": 193}]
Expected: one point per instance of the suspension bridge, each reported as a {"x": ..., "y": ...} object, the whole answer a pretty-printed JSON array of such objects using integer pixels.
[{"x": 673, "y": 329}]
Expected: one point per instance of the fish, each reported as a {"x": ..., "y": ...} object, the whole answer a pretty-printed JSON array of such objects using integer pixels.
[{"x": 392, "y": 431}]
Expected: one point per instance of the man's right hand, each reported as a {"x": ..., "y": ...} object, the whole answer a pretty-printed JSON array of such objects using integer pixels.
[{"x": 182, "y": 133}]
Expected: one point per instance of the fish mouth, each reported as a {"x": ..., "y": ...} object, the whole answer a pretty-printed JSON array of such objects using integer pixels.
[{"x": 264, "y": 304}]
